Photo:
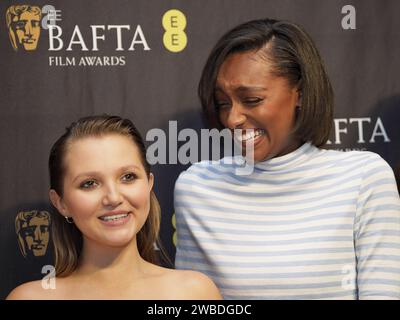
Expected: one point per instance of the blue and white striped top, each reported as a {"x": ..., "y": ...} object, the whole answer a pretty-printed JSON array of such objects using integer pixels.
[{"x": 312, "y": 224}]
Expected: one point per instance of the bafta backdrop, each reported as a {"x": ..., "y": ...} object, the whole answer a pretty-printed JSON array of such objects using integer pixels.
[{"x": 140, "y": 59}]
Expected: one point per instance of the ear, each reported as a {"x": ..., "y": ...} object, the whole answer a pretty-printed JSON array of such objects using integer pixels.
[
  {"x": 57, "y": 202},
  {"x": 151, "y": 181}
]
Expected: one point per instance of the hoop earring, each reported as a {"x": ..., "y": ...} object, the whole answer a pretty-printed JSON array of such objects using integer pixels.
[{"x": 69, "y": 220}]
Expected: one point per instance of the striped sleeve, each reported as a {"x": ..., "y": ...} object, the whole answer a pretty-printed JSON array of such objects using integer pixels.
[
  {"x": 377, "y": 233},
  {"x": 184, "y": 257}
]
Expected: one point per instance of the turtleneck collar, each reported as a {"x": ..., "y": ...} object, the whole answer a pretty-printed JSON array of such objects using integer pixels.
[{"x": 287, "y": 161}]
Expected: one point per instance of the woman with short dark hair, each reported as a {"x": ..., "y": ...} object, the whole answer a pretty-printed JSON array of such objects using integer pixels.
[{"x": 307, "y": 223}]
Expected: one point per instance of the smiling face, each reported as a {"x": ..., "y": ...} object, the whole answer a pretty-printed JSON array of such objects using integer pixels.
[
  {"x": 249, "y": 96},
  {"x": 105, "y": 189}
]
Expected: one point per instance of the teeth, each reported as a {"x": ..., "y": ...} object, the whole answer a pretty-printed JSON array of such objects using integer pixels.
[
  {"x": 115, "y": 217},
  {"x": 250, "y": 135}
]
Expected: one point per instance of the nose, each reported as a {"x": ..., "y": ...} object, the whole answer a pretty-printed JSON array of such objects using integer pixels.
[
  {"x": 236, "y": 116},
  {"x": 112, "y": 196}
]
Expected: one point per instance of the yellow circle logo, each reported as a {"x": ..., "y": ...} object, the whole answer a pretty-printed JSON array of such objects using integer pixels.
[{"x": 174, "y": 23}]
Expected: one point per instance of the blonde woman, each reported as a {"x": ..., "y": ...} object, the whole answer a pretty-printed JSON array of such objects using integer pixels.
[{"x": 108, "y": 220}]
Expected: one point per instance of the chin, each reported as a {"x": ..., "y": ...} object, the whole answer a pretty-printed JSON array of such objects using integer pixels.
[
  {"x": 262, "y": 156},
  {"x": 117, "y": 243},
  {"x": 120, "y": 239}
]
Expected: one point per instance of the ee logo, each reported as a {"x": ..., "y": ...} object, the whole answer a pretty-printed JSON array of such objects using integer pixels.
[{"x": 174, "y": 23}]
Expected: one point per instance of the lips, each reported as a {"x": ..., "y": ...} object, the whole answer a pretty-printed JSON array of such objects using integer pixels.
[{"x": 115, "y": 218}]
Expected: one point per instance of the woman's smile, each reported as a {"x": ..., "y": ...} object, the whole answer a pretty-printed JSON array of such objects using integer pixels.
[
  {"x": 249, "y": 138},
  {"x": 250, "y": 96},
  {"x": 115, "y": 218}
]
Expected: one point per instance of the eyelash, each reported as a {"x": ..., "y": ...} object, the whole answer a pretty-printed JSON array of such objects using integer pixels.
[
  {"x": 133, "y": 176},
  {"x": 253, "y": 101},
  {"x": 247, "y": 101},
  {"x": 221, "y": 105},
  {"x": 89, "y": 184}
]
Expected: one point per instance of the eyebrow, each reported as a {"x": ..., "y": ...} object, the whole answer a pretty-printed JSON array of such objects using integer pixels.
[{"x": 95, "y": 173}]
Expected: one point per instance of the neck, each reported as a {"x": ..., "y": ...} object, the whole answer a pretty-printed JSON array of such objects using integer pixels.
[
  {"x": 293, "y": 145},
  {"x": 105, "y": 263}
]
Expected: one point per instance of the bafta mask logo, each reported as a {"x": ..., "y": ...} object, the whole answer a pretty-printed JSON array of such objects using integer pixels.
[
  {"x": 23, "y": 23},
  {"x": 32, "y": 228}
]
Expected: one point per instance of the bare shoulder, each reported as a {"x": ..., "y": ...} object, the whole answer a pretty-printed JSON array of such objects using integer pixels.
[
  {"x": 39, "y": 290},
  {"x": 28, "y": 291},
  {"x": 194, "y": 285}
]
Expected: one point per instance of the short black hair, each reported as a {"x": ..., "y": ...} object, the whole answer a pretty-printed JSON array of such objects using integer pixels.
[{"x": 294, "y": 56}]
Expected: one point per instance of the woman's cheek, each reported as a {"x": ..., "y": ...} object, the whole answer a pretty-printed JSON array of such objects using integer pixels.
[
  {"x": 139, "y": 195},
  {"x": 84, "y": 204}
]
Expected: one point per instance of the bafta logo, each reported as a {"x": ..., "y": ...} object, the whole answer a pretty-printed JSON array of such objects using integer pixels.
[
  {"x": 23, "y": 24},
  {"x": 32, "y": 229}
]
